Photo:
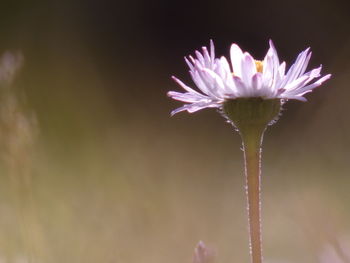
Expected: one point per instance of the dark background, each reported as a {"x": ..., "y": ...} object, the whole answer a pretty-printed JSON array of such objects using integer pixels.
[{"x": 116, "y": 179}]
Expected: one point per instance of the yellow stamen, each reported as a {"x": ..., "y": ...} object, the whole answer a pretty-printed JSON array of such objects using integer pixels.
[{"x": 259, "y": 66}]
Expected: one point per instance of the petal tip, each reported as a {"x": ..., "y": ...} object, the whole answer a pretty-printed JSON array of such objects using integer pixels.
[
  {"x": 235, "y": 49},
  {"x": 171, "y": 93}
]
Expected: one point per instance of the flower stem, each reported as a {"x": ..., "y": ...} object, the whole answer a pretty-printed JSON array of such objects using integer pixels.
[
  {"x": 251, "y": 116},
  {"x": 252, "y": 139}
]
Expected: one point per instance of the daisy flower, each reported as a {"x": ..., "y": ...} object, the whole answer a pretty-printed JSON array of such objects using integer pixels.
[
  {"x": 219, "y": 80},
  {"x": 249, "y": 94}
]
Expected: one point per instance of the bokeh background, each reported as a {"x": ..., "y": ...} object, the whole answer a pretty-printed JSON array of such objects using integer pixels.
[{"x": 95, "y": 170}]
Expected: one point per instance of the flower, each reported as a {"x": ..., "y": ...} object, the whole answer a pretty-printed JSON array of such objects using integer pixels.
[
  {"x": 203, "y": 254},
  {"x": 220, "y": 81}
]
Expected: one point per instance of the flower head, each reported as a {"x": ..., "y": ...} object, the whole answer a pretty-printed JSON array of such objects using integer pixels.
[{"x": 244, "y": 77}]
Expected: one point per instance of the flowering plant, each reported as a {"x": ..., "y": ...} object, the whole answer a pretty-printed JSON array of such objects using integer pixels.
[{"x": 249, "y": 93}]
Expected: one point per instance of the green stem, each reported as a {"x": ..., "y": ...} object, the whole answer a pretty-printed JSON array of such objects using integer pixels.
[
  {"x": 252, "y": 139},
  {"x": 251, "y": 117}
]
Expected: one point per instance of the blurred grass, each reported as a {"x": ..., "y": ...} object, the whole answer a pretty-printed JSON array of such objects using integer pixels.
[
  {"x": 148, "y": 187},
  {"x": 115, "y": 179}
]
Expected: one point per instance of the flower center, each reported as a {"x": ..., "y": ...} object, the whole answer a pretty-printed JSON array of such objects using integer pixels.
[{"x": 259, "y": 66}]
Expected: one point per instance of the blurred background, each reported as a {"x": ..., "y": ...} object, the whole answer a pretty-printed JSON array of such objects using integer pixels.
[{"x": 94, "y": 169}]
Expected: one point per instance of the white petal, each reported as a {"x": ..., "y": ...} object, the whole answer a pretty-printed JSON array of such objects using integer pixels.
[
  {"x": 292, "y": 97},
  {"x": 257, "y": 82},
  {"x": 281, "y": 71},
  {"x": 187, "y": 97},
  {"x": 224, "y": 71},
  {"x": 268, "y": 70},
  {"x": 314, "y": 73},
  {"x": 197, "y": 79},
  {"x": 184, "y": 86},
  {"x": 179, "y": 109},
  {"x": 300, "y": 82},
  {"x": 310, "y": 87},
  {"x": 248, "y": 69},
  {"x": 200, "y": 57},
  {"x": 236, "y": 58},
  {"x": 207, "y": 60},
  {"x": 309, "y": 77},
  {"x": 274, "y": 53},
  {"x": 212, "y": 50},
  {"x": 242, "y": 89},
  {"x": 214, "y": 82},
  {"x": 306, "y": 62},
  {"x": 275, "y": 61},
  {"x": 198, "y": 106},
  {"x": 302, "y": 64},
  {"x": 295, "y": 70},
  {"x": 192, "y": 59},
  {"x": 203, "y": 83},
  {"x": 195, "y": 107},
  {"x": 223, "y": 68},
  {"x": 189, "y": 64}
]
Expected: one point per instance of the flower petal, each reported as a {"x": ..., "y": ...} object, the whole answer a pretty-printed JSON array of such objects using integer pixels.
[
  {"x": 236, "y": 58},
  {"x": 191, "y": 108},
  {"x": 256, "y": 82},
  {"x": 298, "y": 83},
  {"x": 187, "y": 97},
  {"x": 293, "y": 97},
  {"x": 308, "y": 88},
  {"x": 184, "y": 86},
  {"x": 281, "y": 71},
  {"x": 248, "y": 69},
  {"x": 189, "y": 64},
  {"x": 274, "y": 53},
  {"x": 296, "y": 69},
  {"x": 214, "y": 82},
  {"x": 275, "y": 61},
  {"x": 224, "y": 71},
  {"x": 207, "y": 60},
  {"x": 212, "y": 50},
  {"x": 242, "y": 90}
]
